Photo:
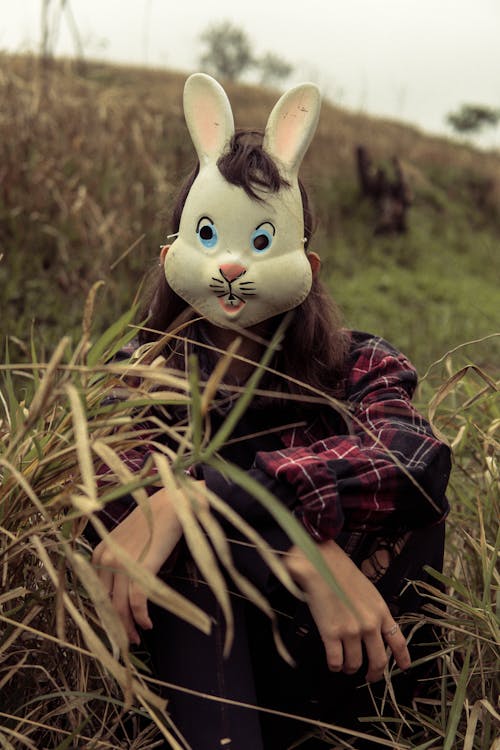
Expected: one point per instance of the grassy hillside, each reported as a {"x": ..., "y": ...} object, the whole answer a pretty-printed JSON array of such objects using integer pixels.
[{"x": 90, "y": 161}]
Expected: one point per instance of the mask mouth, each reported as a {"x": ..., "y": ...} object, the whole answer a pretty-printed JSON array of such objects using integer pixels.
[{"x": 231, "y": 304}]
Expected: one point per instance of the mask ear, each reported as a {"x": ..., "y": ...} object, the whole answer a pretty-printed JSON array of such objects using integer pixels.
[
  {"x": 208, "y": 116},
  {"x": 291, "y": 126}
]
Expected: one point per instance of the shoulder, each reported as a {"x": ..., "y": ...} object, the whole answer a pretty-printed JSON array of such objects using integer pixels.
[{"x": 373, "y": 362}]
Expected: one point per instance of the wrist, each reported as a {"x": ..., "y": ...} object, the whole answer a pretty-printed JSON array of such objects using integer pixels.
[
  {"x": 164, "y": 511},
  {"x": 299, "y": 566},
  {"x": 304, "y": 572}
]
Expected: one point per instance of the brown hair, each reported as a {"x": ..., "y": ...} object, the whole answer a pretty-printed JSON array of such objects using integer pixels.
[{"x": 317, "y": 355}]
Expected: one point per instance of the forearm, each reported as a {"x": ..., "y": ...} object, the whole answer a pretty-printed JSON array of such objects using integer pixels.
[
  {"x": 148, "y": 535},
  {"x": 304, "y": 572}
]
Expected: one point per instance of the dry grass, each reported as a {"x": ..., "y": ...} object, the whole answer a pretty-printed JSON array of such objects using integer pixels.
[
  {"x": 66, "y": 675},
  {"x": 88, "y": 164},
  {"x": 67, "y": 678}
]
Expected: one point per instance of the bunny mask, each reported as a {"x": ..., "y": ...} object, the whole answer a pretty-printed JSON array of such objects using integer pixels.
[{"x": 238, "y": 260}]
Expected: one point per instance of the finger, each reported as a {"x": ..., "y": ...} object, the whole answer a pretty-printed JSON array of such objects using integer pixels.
[
  {"x": 334, "y": 654},
  {"x": 104, "y": 569},
  {"x": 120, "y": 599},
  {"x": 106, "y": 576},
  {"x": 377, "y": 657},
  {"x": 397, "y": 643},
  {"x": 96, "y": 554},
  {"x": 102, "y": 559},
  {"x": 353, "y": 655},
  {"x": 139, "y": 606}
]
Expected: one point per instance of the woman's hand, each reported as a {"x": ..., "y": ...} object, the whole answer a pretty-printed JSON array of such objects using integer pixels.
[
  {"x": 343, "y": 633},
  {"x": 152, "y": 543}
]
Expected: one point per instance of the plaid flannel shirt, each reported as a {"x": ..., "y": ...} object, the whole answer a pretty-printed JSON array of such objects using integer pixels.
[
  {"x": 388, "y": 469},
  {"x": 385, "y": 471}
]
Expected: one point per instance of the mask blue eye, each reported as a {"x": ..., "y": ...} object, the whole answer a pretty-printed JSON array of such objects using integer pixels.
[
  {"x": 206, "y": 231},
  {"x": 262, "y": 239}
]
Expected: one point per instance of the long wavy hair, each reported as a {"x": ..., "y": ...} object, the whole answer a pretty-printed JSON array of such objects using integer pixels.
[{"x": 315, "y": 345}]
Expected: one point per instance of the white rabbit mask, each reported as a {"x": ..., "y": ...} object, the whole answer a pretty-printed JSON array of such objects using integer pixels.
[{"x": 238, "y": 260}]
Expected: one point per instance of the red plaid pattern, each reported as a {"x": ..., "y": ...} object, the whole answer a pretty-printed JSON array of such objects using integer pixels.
[{"x": 387, "y": 469}]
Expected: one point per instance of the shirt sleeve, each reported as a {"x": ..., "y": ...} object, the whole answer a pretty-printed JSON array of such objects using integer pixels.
[
  {"x": 387, "y": 469},
  {"x": 248, "y": 507},
  {"x": 246, "y": 557}
]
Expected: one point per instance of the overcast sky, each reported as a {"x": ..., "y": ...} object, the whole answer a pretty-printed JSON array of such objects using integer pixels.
[{"x": 414, "y": 60}]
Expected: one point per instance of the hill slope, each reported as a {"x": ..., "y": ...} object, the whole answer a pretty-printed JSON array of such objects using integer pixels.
[{"x": 90, "y": 162}]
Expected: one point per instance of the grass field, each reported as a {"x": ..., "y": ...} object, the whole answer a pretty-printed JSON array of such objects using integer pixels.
[{"x": 89, "y": 163}]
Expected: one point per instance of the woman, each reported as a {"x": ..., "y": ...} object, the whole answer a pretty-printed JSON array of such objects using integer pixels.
[{"x": 366, "y": 481}]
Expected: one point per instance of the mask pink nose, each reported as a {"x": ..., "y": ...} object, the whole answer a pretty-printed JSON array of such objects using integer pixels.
[{"x": 232, "y": 271}]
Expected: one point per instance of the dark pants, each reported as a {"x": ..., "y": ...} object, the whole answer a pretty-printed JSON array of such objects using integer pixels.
[{"x": 255, "y": 674}]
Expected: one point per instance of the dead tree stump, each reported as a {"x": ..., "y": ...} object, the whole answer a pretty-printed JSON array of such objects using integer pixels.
[{"x": 390, "y": 194}]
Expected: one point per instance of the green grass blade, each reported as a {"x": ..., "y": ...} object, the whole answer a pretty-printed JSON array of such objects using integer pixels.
[
  {"x": 196, "y": 421},
  {"x": 113, "y": 339},
  {"x": 284, "y": 518},
  {"x": 244, "y": 400},
  {"x": 458, "y": 704},
  {"x": 13, "y": 411},
  {"x": 68, "y": 742}
]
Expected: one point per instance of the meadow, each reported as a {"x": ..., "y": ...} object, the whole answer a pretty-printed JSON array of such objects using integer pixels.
[{"x": 89, "y": 163}]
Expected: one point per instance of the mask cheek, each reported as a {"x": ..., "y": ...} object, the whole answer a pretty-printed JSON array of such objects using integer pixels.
[
  {"x": 283, "y": 283},
  {"x": 183, "y": 274}
]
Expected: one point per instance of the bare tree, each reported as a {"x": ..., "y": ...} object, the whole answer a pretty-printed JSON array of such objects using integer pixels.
[
  {"x": 391, "y": 195},
  {"x": 49, "y": 28},
  {"x": 52, "y": 13}
]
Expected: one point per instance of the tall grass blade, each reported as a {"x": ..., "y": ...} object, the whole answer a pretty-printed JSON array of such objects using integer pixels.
[
  {"x": 196, "y": 420},
  {"x": 82, "y": 443},
  {"x": 41, "y": 396},
  {"x": 244, "y": 400},
  {"x": 285, "y": 519},
  {"x": 198, "y": 546},
  {"x": 254, "y": 538},
  {"x": 251, "y": 592},
  {"x": 112, "y": 340},
  {"x": 457, "y": 706}
]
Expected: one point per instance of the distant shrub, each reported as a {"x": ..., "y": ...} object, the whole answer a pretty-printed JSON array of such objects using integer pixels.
[{"x": 471, "y": 118}]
